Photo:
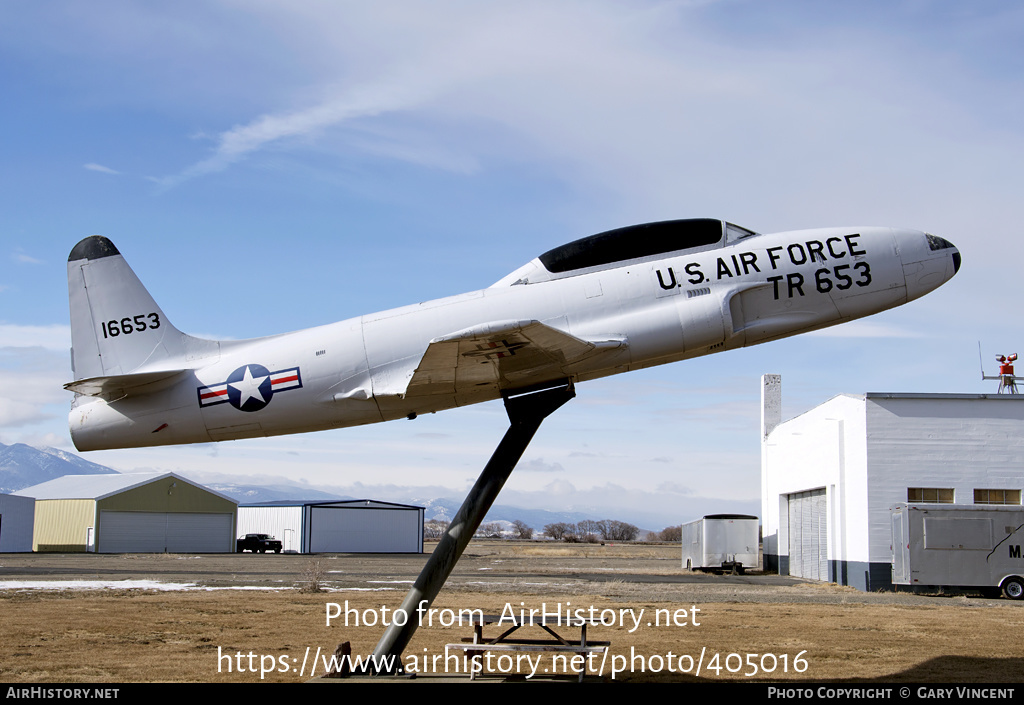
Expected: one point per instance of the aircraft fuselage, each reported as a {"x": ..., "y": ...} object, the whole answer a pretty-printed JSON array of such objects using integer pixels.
[{"x": 534, "y": 326}]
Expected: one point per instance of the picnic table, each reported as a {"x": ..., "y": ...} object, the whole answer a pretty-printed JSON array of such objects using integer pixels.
[{"x": 505, "y": 641}]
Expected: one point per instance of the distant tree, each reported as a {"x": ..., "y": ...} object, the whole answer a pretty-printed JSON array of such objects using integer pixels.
[
  {"x": 491, "y": 530},
  {"x": 590, "y": 531},
  {"x": 556, "y": 531},
  {"x": 673, "y": 534},
  {"x": 434, "y": 528},
  {"x": 620, "y": 531},
  {"x": 651, "y": 537},
  {"x": 522, "y": 529},
  {"x": 587, "y": 531},
  {"x": 573, "y": 533}
]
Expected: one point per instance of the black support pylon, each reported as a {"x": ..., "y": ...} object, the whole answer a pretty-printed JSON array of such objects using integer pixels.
[{"x": 526, "y": 412}]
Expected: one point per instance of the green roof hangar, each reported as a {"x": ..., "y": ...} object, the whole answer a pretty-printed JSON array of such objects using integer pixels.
[{"x": 131, "y": 513}]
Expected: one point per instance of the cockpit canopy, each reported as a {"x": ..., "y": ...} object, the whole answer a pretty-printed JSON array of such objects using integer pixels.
[{"x": 635, "y": 242}]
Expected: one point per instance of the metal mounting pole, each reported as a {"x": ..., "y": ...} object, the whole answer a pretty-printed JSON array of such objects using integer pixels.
[{"x": 525, "y": 413}]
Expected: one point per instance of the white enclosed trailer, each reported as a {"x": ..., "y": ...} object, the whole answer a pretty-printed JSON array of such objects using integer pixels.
[
  {"x": 721, "y": 542},
  {"x": 959, "y": 545}
]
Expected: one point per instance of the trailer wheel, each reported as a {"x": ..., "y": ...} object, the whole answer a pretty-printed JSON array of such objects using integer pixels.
[{"x": 1013, "y": 588}]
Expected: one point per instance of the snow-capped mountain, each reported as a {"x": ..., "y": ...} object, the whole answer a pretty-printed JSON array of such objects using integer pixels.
[{"x": 23, "y": 466}]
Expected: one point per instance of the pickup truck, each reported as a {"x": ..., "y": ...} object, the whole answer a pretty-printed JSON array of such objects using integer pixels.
[{"x": 258, "y": 543}]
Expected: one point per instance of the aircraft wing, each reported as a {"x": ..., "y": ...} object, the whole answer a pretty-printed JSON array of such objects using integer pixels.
[{"x": 502, "y": 354}]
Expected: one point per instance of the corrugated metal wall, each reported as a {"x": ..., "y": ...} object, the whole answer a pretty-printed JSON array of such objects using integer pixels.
[
  {"x": 808, "y": 535},
  {"x": 167, "y": 494},
  {"x": 365, "y": 530},
  {"x": 958, "y": 443},
  {"x": 283, "y": 523},
  {"x": 165, "y": 532},
  {"x": 62, "y": 525},
  {"x": 17, "y": 515}
]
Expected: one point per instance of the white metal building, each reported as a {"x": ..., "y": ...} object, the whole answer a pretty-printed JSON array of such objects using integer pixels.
[
  {"x": 16, "y": 516},
  {"x": 351, "y": 526},
  {"x": 830, "y": 476}
]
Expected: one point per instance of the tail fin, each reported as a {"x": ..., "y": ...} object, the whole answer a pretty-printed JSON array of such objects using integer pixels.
[{"x": 116, "y": 326}]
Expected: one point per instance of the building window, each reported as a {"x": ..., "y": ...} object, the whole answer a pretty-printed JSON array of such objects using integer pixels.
[
  {"x": 930, "y": 495},
  {"x": 997, "y": 496}
]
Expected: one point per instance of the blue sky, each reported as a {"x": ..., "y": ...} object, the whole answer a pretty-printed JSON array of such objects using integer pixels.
[{"x": 266, "y": 167}]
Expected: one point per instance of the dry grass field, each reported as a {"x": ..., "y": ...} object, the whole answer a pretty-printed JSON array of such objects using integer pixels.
[{"x": 749, "y": 628}]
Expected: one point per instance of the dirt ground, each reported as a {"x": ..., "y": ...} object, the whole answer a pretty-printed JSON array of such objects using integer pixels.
[{"x": 243, "y": 620}]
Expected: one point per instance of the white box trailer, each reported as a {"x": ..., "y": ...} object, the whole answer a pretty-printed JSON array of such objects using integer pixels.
[
  {"x": 721, "y": 542},
  {"x": 959, "y": 545}
]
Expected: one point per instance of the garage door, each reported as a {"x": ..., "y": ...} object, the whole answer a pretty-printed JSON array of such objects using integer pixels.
[
  {"x": 808, "y": 535},
  {"x": 356, "y": 530},
  {"x": 156, "y": 532}
]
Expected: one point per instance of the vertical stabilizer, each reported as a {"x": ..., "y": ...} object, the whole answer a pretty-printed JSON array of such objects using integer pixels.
[{"x": 116, "y": 326}]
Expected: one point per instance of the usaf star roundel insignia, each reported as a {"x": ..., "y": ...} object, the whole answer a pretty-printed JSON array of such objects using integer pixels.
[{"x": 250, "y": 387}]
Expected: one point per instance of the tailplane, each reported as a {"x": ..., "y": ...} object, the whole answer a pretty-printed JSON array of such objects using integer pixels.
[{"x": 117, "y": 329}]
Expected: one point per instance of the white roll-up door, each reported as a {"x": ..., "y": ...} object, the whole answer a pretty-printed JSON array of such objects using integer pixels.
[
  {"x": 158, "y": 532},
  {"x": 359, "y": 530},
  {"x": 808, "y": 535}
]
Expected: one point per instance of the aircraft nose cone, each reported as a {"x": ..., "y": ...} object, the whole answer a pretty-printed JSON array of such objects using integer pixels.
[
  {"x": 940, "y": 244},
  {"x": 929, "y": 261}
]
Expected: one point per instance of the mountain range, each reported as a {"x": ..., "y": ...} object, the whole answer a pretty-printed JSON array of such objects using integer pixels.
[{"x": 22, "y": 466}]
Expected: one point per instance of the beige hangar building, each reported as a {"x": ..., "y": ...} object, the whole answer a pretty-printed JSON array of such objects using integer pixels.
[{"x": 131, "y": 513}]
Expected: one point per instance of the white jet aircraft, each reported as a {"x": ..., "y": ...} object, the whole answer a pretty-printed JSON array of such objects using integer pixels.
[{"x": 621, "y": 300}]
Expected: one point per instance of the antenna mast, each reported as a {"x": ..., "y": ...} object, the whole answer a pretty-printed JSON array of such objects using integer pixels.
[{"x": 1007, "y": 379}]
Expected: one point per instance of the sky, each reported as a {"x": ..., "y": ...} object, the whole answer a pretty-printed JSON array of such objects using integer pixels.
[{"x": 266, "y": 167}]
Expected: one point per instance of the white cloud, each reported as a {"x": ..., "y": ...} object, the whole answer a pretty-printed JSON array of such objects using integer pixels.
[
  {"x": 560, "y": 488},
  {"x": 100, "y": 168},
  {"x": 531, "y": 69},
  {"x": 32, "y": 399},
  {"x": 640, "y": 100},
  {"x": 538, "y": 465},
  {"x": 22, "y": 258},
  {"x": 15, "y": 413},
  {"x": 52, "y": 337},
  {"x": 46, "y": 439},
  {"x": 674, "y": 488}
]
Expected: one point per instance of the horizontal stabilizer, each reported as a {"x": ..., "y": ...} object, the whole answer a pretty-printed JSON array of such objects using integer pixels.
[
  {"x": 120, "y": 386},
  {"x": 502, "y": 355}
]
